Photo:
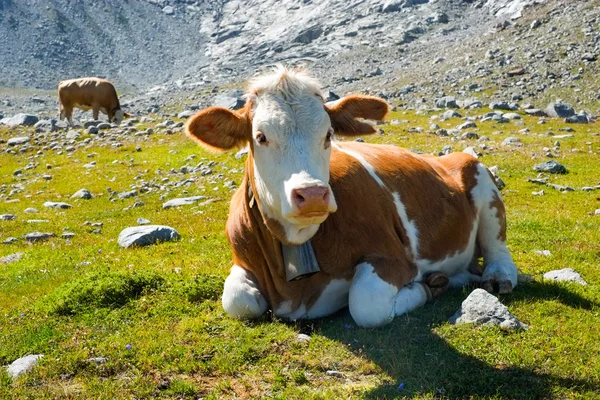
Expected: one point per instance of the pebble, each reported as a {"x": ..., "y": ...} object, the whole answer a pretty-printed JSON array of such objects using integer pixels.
[
  {"x": 565, "y": 275},
  {"x": 184, "y": 201},
  {"x": 60, "y": 205},
  {"x": 552, "y": 166},
  {"x": 7, "y": 217},
  {"x": 11, "y": 258},
  {"x": 38, "y": 236},
  {"x": 82, "y": 194}
]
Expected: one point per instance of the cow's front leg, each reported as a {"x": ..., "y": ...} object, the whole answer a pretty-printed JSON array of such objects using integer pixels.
[
  {"x": 241, "y": 296},
  {"x": 381, "y": 290}
]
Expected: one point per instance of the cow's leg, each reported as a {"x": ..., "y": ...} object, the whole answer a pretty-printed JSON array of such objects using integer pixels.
[
  {"x": 96, "y": 112},
  {"x": 241, "y": 296},
  {"x": 500, "y": 272},
  {"x": 374, "y": 301}
]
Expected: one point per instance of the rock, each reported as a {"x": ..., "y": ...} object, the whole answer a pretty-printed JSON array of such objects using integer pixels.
[
  {"x": 446, "y": 102},
  {"x": 92, "y": 130},
  {"x": 61, "y": 205},
  {"x": 308, "y": 35},
  {"x": 334, "y": 373},
  {"x": 19, "y": 120},
  {"x": 103, "y": 125},
  {"x": 10, "y": 240},
  {"x": 536, "y": 23},
  {"x": 127, "y": 195},
  {"x": 97, "y": 360},
  {"x": 330, "y": 96},
  {"x": 68, "y": 235},
  {"x": 502, "y": 105},
  {"x": 22, "y": 365},
  {"x": 589, "y": 57},
  {"x": 82, "y": 194},
  {"x": 516, "y": 71},
  {"x": 143, "y": 221},
  {"x": 467, "y": 125},
  {"x": 546, "y": 253},
  {"x": 169, "y": 10},
  {"x": 184, "y": 201},
  {"x": 146, "y": 235},
  {"x": 551, "y": 166},
  {"x": 483, "y": 308},
  {"x": 536, "y": 112},
  {"x": 7, "y": 217},
  {"x": 577, "y": 119},
  {"x": 241, "y": 153},
  {"x": 232, "y": 100},
  {"x": 30, "y": 210},
  {"x": 17, "y": 141},
  {"x": 11, "y": 258},
  {"x": 470, "y": 150},
  {"x": 38, "y": 236},
  {"x": 511, "y": 116},
  {"x": 46, "y": 125},
  {"x": 303, "y": 338},
  {"x": 559, "y": 109},
  {"x": 186, "y": 114},
  {"x": 565, "y": 275},
  {"x": 597, "y": 211},
  {"x": 451, "y": 114},
  {"x": 512, "y": 141}
]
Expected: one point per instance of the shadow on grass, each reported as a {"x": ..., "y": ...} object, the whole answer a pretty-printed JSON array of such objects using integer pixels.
[{"x": 424, "y": 363}]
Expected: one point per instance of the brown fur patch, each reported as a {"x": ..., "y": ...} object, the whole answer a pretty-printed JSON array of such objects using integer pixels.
[{"x": 344, "y": 114}]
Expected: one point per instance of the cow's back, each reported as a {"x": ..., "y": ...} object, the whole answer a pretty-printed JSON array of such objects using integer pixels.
[{"x": 87, "y": 92}]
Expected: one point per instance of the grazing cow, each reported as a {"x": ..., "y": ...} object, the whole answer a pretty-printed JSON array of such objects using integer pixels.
[
  {"x": 96, "y": 94},
  {"x": 385, "y": 228}
]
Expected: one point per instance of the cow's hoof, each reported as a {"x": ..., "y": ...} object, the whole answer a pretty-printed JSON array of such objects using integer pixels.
[
  {"x": 437, "y": 282},
  {"x": 501, "y": 287}
]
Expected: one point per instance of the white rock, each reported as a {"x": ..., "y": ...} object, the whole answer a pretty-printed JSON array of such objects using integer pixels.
[
  {"x": 22, "y": 365},
  {"x": 184, "y": 201},
  {"x": 565, "y": 275},
  {"x": 53, "y": 204},
  {"x": 303, "y": 338},
  {"x": 483, "y": 308},
  {"x": 147, "y": 235}
]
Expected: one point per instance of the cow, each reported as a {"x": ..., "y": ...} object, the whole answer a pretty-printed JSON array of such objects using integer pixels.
[
  {"x": 381, "y": 229},
  {"x": 96, "y": 94}
]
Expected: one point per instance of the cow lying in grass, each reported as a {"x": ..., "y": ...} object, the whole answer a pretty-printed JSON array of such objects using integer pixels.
[
  {"x": 381, "y": 229},
  {"x": 94, "y": 94}
]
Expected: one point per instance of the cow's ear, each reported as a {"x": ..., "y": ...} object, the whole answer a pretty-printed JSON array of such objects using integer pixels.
[
  {"x": 218, "y": 128},
  {"x": 348, "y": 115}
]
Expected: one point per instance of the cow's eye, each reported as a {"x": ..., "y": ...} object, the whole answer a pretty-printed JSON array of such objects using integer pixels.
[
  {"x": 261, "y": 138},
  {"x": 328, "y": 137}
]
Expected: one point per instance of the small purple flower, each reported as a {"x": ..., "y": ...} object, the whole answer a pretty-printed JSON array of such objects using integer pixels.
[
  {"x": 347, "y": 327},
  {"x": 401, "y": 386},
  {"x": 128, "y": 347},
  {"x": 99, "y": 251},
  {"x": 22, "y": 315}
]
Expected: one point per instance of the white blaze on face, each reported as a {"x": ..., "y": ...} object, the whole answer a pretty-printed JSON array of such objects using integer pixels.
[
  {"x": 118, "y": 117},
  {"x": 291, "y": 151}
]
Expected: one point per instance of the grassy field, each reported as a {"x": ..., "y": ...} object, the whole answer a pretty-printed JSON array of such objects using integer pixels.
[{"x": 154, "y": 313}]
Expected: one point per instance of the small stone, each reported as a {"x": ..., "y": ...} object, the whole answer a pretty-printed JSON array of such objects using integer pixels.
[
  {"x": 303, "y": 338},
  {"x": 82, "y": 194},
  {"x": 483, "y": 308},
  {"x": 143, "y": 221},
  {"x": 60, "y": 205},
  {"x": 31, "y": 210},
  {"x": 551, "y": 166},
  {"x": 17, "y": 141},
  {"x": 467, "y": 125},
  {"x": 334, "y": 373},
  {"x": 22, "y": 365},
  {"x": 7, "y": 217},
  {"x": 97, "y": 360},
  {"x": 147, "y": 235},
  {"x": 10, "y": 240},
  {"x": 512, "y": 141},
  {"x": 470, "y": 150},
  {"x": 127, "y": 195},
  {"x": 38, "y": 236},
  {"x": 67, "y": 235},
  {"x": 11, "y": 258},
  {"x": 565, "y": 275},
  {"x": 241, "y": 153},
  {"x": 185, "y": 201},
  {"x": 546, "y": 253}
]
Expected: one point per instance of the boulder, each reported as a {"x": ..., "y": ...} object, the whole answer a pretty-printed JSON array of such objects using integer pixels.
[
  {"x": 552, "y": 166},
  {"x": 559, "y": 109},
  {"x": 20, "y": 120},
  {"x": 147, "y": 235},
  {"x": 23, "y": 365},
  {"x": 483, "y": 308}
]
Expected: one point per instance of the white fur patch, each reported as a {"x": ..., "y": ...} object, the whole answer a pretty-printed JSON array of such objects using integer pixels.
[
  {"x": 241, "y": 297},
  {"x": 333, "y": 298},
  {"x": 410, "y": 226},
  {"x": 370, "y": 169}
]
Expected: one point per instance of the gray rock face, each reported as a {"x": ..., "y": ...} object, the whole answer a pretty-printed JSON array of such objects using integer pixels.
[
  {"x": 186, "y": 114},
  {"x": 17, "y": 141},
  {"x": 577, "y": 119},
  {"x": 184, "y": 201},
  {"x": 308, "y": 35},
  {"x": 20, "y": 120},
  {"x": 565, "y": 275},
  {"x": 146, "y": 235},
  {"x": 483, "y": 308},
  {"x": 82, "y": 194},
  {"x": 22, "y": 365},
  {"x": 46, "y": 125},
  {"x": 232, "y": 100},
  {"x": 559, "y": 110},
  {"x": 58, "y": 204},
  {"x": 551, "y": 166},
  {"x": 38, "y": 236}
]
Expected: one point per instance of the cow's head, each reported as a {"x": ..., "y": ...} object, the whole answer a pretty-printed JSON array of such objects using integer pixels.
[
  {"x": 289, "y": 130},
  {"x": 118, "y": 117}
]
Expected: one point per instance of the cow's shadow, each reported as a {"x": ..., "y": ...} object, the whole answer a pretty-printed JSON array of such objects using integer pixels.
[{"x": 419, "y": 361}]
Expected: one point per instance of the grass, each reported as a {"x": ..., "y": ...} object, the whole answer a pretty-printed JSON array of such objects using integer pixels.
[{"x": 154, "y": 313}]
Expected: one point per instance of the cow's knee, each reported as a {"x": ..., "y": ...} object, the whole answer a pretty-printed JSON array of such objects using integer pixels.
[{"x": 241, "y": 296}]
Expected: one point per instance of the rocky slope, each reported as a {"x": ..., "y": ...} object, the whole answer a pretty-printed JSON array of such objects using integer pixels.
[{"x": 412, "y": 52}]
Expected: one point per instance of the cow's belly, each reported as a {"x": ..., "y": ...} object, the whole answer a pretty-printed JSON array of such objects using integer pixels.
[
  {"x": 333, "y": 298},
  {"x": 82, "y": 107},
  {"x": 453, "y": 264}
]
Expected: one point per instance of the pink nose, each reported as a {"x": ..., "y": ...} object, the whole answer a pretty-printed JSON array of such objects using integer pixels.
[{"x": 313, "y": 199}]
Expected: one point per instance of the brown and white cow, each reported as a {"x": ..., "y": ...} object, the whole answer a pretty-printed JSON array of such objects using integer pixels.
[
  {"x": 388, "y": 227},
  {"x": 96, "y": 94}
]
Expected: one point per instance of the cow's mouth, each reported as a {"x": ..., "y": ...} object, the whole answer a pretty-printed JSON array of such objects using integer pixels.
[{"x": 308, "y": 218}]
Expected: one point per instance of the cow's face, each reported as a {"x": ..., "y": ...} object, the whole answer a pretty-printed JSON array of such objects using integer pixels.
[
  {"x": 289, "y": 130},
  {"x": 119, "y": 114}
]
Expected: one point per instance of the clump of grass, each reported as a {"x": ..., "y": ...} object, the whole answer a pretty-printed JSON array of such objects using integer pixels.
[
  {"x": 204, "y": 287},
  {"x": 102, "y": 290}
]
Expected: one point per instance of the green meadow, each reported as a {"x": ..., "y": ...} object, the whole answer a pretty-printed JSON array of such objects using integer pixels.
[{"x": 154, "y": 313}]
